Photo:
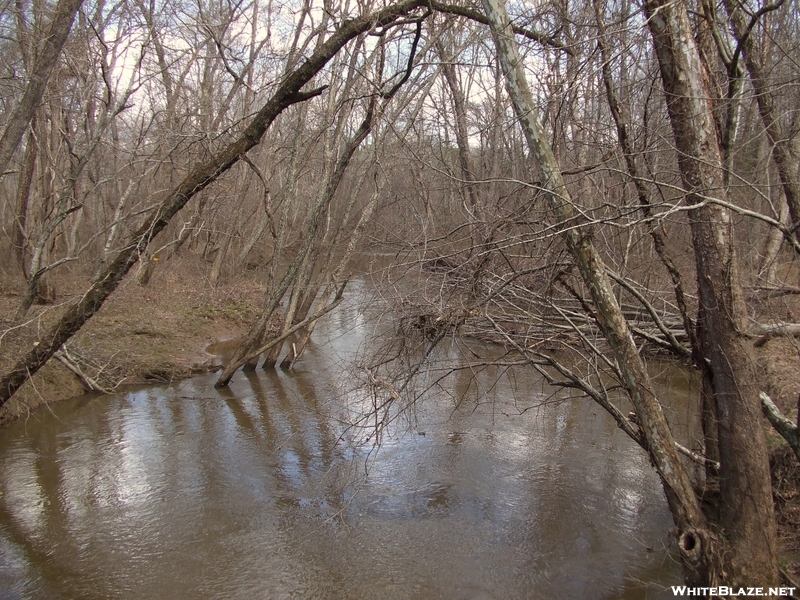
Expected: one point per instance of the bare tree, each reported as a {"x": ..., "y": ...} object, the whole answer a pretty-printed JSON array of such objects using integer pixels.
[
  {"x": 43, "y": 67},
  {"x": 657, "y": 438},
  {"x": 288, "y": 93}
]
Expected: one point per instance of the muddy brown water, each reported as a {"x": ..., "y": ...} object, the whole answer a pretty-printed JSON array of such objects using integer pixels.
[{"x": 262, "y": 491}]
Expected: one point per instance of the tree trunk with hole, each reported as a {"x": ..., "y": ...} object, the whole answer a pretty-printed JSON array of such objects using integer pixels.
[
  {"x": 696, "y": 541},
  {"x": 746, "y": 519}
]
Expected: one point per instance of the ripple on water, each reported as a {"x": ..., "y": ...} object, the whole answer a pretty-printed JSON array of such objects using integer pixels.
[{"x": 185, "y": 491}]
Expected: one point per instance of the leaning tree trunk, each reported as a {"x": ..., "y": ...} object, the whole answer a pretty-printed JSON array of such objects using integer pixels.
[
  {"x": 199, "y": 178},
  {"x": 333, "y": 278},
  {"x": 696, "y": 541},
  {"x": 656, "y": 232},
  {"x": 248, "y": 348},
  {"x": 746, "y": 511}
]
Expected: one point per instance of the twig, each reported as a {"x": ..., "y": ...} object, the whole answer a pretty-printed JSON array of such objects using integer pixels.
[{"x": 88, "y": 383}]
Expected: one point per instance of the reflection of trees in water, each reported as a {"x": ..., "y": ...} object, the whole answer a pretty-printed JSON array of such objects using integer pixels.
[{"x": 265, "y": 459}]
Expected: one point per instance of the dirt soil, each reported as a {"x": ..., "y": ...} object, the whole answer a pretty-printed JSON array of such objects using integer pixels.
[{"x": 141, "y": 334}]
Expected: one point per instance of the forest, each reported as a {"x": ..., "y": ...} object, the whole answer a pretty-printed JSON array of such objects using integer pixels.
[{"x": 604, "y": 181}]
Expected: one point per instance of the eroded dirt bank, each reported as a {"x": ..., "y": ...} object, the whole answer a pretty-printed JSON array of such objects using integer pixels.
[{"x": 142, "y": 334}]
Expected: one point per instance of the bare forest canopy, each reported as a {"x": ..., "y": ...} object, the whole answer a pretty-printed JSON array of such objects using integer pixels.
[{"x": 607, "y": 177}]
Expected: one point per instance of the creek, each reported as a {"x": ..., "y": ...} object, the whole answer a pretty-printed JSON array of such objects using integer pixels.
[{"x": 262, "y": 490}]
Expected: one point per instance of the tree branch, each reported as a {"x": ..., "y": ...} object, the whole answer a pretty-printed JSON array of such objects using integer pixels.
[
  {"x": 478, "y": 17},
  {"x": 788, "y": 430}
]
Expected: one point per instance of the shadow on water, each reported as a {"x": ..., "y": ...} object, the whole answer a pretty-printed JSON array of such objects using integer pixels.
[{"x": 185, "y": 491}]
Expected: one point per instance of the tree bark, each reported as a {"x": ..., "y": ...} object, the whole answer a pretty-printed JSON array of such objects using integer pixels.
[{"x": 746, "y": 511}]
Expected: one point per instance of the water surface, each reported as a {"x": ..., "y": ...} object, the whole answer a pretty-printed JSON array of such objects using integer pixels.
[{"x": 263, "y": 491}]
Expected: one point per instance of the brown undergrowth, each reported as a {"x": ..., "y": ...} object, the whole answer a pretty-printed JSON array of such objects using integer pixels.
[{"x": 786, "y": 492}]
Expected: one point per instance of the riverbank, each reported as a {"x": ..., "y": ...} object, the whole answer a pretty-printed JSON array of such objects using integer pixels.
[
  {"x": 155, "y": 333},
  {"x": 161, "y": 331}
]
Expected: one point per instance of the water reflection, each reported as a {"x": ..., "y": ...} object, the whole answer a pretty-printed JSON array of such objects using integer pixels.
[{"x": 184, "y": 491}]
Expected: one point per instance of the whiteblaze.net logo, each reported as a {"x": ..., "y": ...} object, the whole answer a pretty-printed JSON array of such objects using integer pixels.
[{"x": 725, "y": 591}]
